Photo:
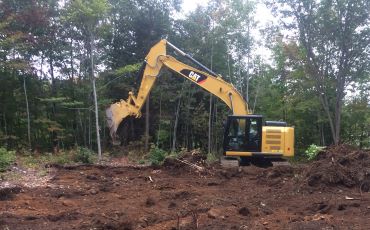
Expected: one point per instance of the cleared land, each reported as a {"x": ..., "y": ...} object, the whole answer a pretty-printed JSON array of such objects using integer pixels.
[{"x": 330, "y": 193}]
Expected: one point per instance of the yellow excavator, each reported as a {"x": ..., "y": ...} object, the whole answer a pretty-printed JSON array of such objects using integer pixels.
[{"x": 245, "y": 136}]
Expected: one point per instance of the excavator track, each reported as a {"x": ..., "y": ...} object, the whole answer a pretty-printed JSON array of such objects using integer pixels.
[
  {"x": 229, "y": 162},
  {"x": 233, "y": 162}
]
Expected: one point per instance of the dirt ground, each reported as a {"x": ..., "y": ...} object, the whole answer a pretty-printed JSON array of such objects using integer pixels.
[{"x": 176, "y": 196}]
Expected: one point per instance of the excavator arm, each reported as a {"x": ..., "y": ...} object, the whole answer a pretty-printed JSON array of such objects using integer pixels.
[{"x": 156, "y": 59}]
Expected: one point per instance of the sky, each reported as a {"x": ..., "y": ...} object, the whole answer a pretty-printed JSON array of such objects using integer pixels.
[
  {"x": 190, "y": 5},
  {"x": 263, "y": 16}
]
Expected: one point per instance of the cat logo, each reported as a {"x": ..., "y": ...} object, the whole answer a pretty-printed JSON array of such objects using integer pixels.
[{"x": 194, "y": 76}]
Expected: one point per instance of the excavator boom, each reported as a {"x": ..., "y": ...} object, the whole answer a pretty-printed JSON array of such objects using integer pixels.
[{"x": 155, "y": 60}]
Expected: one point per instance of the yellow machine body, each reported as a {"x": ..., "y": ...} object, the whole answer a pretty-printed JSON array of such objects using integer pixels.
[{"x": 276, "y": 142}]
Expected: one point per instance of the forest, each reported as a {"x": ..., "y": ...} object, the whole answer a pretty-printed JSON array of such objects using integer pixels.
[
  {"x": 63, "y": 63},
  {"x": 60, "y": 57}
]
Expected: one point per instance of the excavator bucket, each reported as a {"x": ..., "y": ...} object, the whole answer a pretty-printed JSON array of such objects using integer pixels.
[{"x": 116, "y": 113}]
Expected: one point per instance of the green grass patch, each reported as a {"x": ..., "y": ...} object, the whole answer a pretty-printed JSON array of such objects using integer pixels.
[
  {"x": 6, "y": 159},
  {"x": 312, "y": 151},
  {"x": 85, "y": 155},
  {"x": 212, "y": 158},
  {"x": 157, "y": 156}
]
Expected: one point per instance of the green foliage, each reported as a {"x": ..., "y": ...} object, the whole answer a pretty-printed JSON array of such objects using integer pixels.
[
  {"x": 38, "y": 161},
  {"x": 128, "y": 69},
  {"x": 312, "y": 151},
  {"x": 86, "y": 14},
  {"x": 6, "y": 158},
  {"x": 122, "y": 32},
  {"x": 157, "y": 155},
  {"x": 84, "y": 155},
  {"x": 61, "y": 158},
  {"x": 163, "y": 134},
  {"x": 356, "y": 121},
  {"x": 48, "y": 124},
  {"x": 115, "y": 152},
  {"x": 30, "y": 161},
  {"x": 54, "y": 99},
  {"x": 72, "y": 104}
]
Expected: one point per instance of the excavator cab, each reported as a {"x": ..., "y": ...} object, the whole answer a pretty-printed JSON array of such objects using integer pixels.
[
  {"x": 246, "y": 136},
  {"x": 243, "y": 134}
]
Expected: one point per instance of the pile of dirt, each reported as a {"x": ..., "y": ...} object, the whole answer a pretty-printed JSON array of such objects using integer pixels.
[
  {"x": 340, "y": 165},
  {"x": 279, "y": 172},
  {"x": 8, "y": 193},
  {"x": 277, "y": 176}
]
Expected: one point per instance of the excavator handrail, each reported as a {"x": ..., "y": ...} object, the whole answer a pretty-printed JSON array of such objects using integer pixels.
[{"x": 192, "y": 59}]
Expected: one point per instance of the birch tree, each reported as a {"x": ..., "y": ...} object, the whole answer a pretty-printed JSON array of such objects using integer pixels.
[{"x": 88, "y": 16}]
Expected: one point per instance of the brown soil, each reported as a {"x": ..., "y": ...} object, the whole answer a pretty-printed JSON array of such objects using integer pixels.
[
  {"x": 340, "y": 165},
  {"x": 176, "y": 196}
]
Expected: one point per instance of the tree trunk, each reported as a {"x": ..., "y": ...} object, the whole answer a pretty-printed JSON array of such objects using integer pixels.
[
  {"x": 325, "y": 104},
  {"x": 247, "y": 80},
  {"x": 54, "y": 135},
  {"x": 338, "y": 106},
  {"x": 97, "y": 120},
  {"x": 89, "y": 130},
  {"x": 83, "y": 130},
  {"x": 95, "y": 95},
  {"x": 28, "y": 114},
  {"x": 5, "y": 128},
  {"x": 160, "y": 118},
  {"x": 132, "y": 129},
  {"x": 170, "y": 142},
  {"x": 210, "y": 125},
  {"x": 5, "y": 124},
  {"x": 322, "y": 135},
  {"x": 248, "y": 63},
  {"x": 173, "y": 149},
  {"x": 215, "y": 129},
  {"x": 210, "y": 107},
  {"x": 147, "y": 124},
  {"x": 188, "y": 120},
  {"x": 71, "y": 61}
]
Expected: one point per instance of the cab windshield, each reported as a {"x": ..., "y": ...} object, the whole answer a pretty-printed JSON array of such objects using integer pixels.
[{"x": 244, "y": 134}]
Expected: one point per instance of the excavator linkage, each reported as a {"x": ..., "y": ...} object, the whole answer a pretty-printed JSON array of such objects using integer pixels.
[{"x": 154, "y": 61}]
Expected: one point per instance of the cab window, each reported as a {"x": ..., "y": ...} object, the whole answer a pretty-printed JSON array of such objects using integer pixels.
[{"x": 243, "y": 134}]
